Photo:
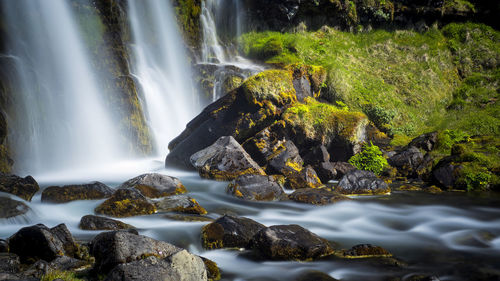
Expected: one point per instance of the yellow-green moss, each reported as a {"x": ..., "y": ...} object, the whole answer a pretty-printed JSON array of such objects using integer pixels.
[{"x": 270, "y": 85}]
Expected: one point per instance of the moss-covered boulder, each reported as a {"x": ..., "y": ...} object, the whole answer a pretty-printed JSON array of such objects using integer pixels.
[
  {"x": 22, "y": 187},
  {"x": 155, "y": 185},
  {"x": 67, "y": 193},
  {"x": 225, "y": 160},
  {"x": 289, "y": 242},
  {"x": 257, "y": 188},
  {"x": 181, "y": 204},
  {"x": 213, "y": 271},
  {"x": 12, "y": 208},
  {"x": 126, "y": 203},
  {"x": 91, "y": 222},
  {"x": 267, "y": 143},
  {"x": 317, "y": 196},
  {"x": 358, "y": 182},
  {"x": 407, "y": 161},
  {"x": 306, "y": 178},
  {"x": 229, "y": 232}
]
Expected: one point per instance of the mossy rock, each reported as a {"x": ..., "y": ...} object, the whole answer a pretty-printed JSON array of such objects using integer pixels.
[
  {"x": 229, "y": 232},
  {"x": 181, "y": 204},
  {"x": 257, "y": 188},
  {"x": 67, "y": 193},
  {"x": 305, "y": 178},
  {"x": 23, "y": 187},
  {"x": 358, "y": 182},
  {"x": 275, "y": 86},
  {"x": 154, "y": 185},
  {"x": 126, "y": 203},
  {"x": 91, "y": 222},
  {"x": 213, "y": 271},
  {"x": 317, "y": 196},
  {"x": 366, "y": 251},
  {"x": 12, "y": 208}
]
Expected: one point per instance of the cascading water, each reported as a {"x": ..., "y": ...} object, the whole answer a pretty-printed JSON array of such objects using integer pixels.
[
  {"x": 160, "y": 65},
  {"x": 57, "y": 121}
]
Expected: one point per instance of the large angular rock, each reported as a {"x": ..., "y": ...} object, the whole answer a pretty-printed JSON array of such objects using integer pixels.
[
  {"x": 358, "y": 182},
  {"x": 155, "y": 185},
  {"x": 306, "y": 178},
  {"x": 181, "y": 204},
  {"x": 286, "y": 160},
  {"x": 22, "y": 187},
  {"x": 425, "y": 141},
  {"x": 256, "y": 188},
  {"x": 67, "y": 193},
  {"x": 126, "y": 203},
  {"x": 118, "y": 247},
  {"x": 316, "y": 196},
  {"x": 91, "y": 222},
  {"x": 289, "y": 242},
  {"x": 446, "y": 172},
  {"x": 266, "y": 143},
  {"x": 12, "y": 208},
  {"x": 40, "y": 242},
  {"x": 229, "y": 232},
  {"x": 224, "y": 160},
  {"x": 407, "y": 161}
]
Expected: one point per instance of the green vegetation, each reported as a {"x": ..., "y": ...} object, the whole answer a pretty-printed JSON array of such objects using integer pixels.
[
  {"x": 188, "y": 16},
  {"x": 64, "y": 275},
  {"x": 369, "y": 159}
]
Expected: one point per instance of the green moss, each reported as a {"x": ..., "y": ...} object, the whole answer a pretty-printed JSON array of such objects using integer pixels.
[
  {"x": 369, "y": 159},
  {"x": 188, "y": 16},
  {"x": 270, "y": 85},
  {"x": 64, "y": 275}
]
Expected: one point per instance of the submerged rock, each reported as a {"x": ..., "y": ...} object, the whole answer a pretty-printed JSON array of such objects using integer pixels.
[
  {"x": 155, "y": 185},
  {"x": 358, "y": 182},
  {"x": 22, "y": 187},
  {"x": 126, "y": 203},
  {"x": 289, "y": 242},
  {"x": 229, "y": 232},
  {"x": 224, "y": 160},
  {"x": 118, "y": 247},
  {"x": 91, "y": 222},
  {"x": 12, "y": 208},
  {"x": 316, "y": 196},
  {"x": 67, "y": 193},
  {"x": 256, "y": 188},
  {"x": 181, "y": 204},
  {"x": 366, "y": 251}
]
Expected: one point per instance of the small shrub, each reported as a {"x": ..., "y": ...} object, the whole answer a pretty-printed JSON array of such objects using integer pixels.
[{"x": 369, "y": 159}]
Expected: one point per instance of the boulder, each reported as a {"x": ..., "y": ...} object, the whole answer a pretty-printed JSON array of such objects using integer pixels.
[
  {"x": 256, "y": 188},
  {"x": 229, "y": 232},
  {"x": 181, "y": 204},
  {"x": 407, "y": 161},
  {"x": 425, "y": 141},
  {"x": 67, "y": 193},
  {"x": 306, "y": 178},
  {"x": 155, "y": 185},
  {"x": 181, "y": 266},
  {"x": 366, "y": 251},
  {"x": 118, "y": 247},
  {"x": 12, "y": 208},
  {"x": 446, "y": 172},
  {"x": 358, "y": 182},
  {"x": 342, "y": 168},
  {"x": 316, "y": 196},
  {"x": 22, "y": 187},
  {"x": 266, "y": 143},
  {"x": 126, "y": 203},
  {"x": 37, "y": 242},
  {"x": 286, "y": 160},
  {"x": 224, "y": 160},
  {"x": 289, "y": 242},
  {"x": 326, "y": 171},
  {"x": 91, "y": 222}
]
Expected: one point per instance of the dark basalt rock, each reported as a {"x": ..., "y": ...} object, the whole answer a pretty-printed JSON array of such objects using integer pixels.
[
  {"x": 22, "y": 187},
  {"x": 289, "y": 242},
  {"x": 91, "y": 222},
  {"x": 286, "y": 160},
  {"x": 306, "y": 178},
  {"x": 229, "y": 232},
  {"x": 407, "y": 161},
  {"x": 266, "y": 143},
  {"x": 181, "y": 204},
  {"x": 316, "y": 196},
  {"x": 425, "y": 141},
  {"x": 126, "y": 203},
  {"x": 117, "y": 247},
  {"x": 359, "y": 182},
  {"x": 224, "y": 160},
  {"x": 12, "y": 208},
  {"x": 9, "y": 263},
  {"x": 342, "y": 168},
  {"x": 256, "y": 188},
  {"x": 326, "y": 172},
  {"x": 67, "y": 193},
  {"x": 316, "y": 155},
  {"x": 366, "y": 251},
  {"x": 445, "y": 172},
  {"x": 39, "y": 242},
  {"x": 155, "y": 185},
  {"x": 315, "y": 275}
]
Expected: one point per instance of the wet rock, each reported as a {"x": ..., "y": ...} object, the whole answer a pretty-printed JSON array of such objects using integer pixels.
[
  {"x": 4, "y": 246},
  {"x": 182, "y": 266},
  {"x": 12, "y": 208},
  {"x": 409, "y": 187},
  {"x": 36, "y": 271},
  {"x": 91, "y": 222},
  {"x": 213, "y": 272},
  {"x": 155, "y": 185},
  {"x": 22, "y": 187},
  {"x": 67, "y": 193},
  {"x": 289, "y": 242},
  {"x": 433, "y": 189},
  {"x": 256, "y": 188},
  {"x": 229, "y": 232},
  {"x": 66, "y": 263},
  {"x": 425, "y": 141},
  {"x": 37, "y": 242},
  {"x": 407, "y": 161},
  {"x": 181, "y": 204},
  {"x": 358, "y": 182},
  {"x": 342, "y": 168},
  {"x": 126, "y": 203},
  {"x": 316, "y": 196},
  {"x": 316, "y": 155},
  {"x": 306, "y": 178},
  {"x": 366, "y": 251},
  {"x": 224, "y": 160},
  {"x": 314, "y": 275},
  {"x": 9, "y": 263},
  {"x": 326, "y": 171},
  {"x": 188, "y": 217},
  {"x": 286, "y": 160},
  {"x": 117, "y": 247},
  {"x": 266, "y": 143}
]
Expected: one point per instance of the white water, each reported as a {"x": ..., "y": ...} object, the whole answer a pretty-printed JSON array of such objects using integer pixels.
[
  {"x": 58, "y": 121},
  {"x": 160, "y": 65}
]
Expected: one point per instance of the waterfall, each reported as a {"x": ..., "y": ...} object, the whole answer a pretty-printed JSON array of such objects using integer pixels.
[
  {"x": 57, "y": 120},
  {"x": 160, "y": 65}
]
